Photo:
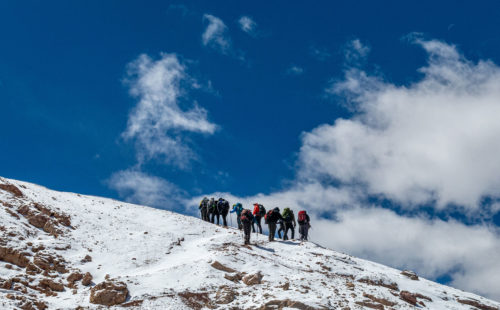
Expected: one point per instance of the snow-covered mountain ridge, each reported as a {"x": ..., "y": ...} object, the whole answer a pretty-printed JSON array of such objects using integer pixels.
[{"x": 69, "y": 251}]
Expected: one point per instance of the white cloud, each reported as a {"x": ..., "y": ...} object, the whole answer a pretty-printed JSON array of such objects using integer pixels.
[
  {"x": 160, "y": 118},
  {"x": 433, "y": 140},
  {"x": 138, "y": 187},
  {"x": 247, "y": 24},
  {"x": 294, "y": 70},
  {"x": 215, "y": 35},
  {"x": 355, "y": 51}
]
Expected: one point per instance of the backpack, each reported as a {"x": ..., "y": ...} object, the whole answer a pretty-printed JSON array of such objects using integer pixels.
[
  {"x": 246, "y": 216},
  {"x": 302, "y": 218},
  {"x": 268, "y": 216},
  {"x": 262, "y": 211},
  {"x": 287, "y": 215}
]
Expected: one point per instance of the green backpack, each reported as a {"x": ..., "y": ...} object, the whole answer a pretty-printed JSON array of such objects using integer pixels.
[{"x": 287, "y": 215}]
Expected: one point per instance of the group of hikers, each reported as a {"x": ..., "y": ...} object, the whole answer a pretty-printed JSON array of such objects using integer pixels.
[{"x": 212, "y": 209}]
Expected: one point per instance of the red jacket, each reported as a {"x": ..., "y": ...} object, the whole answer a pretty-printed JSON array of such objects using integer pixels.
[{"x": 256, "y": 210}]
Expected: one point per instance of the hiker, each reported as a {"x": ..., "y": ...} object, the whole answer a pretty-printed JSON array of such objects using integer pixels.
[
  {"x": 238, "y": 207},
  {"x": 271, "y": 218},
  {"x": 289, "y": 220},
  {"x": 246, "y": 219},
  {"x": 258, "y": 212},
  {"x": 281, "y": 228},
  {"x": 212, "y": 207},
  {"x": 304, "y": 225},
  {"x": 223, "y": 209},
  {"x": 204, "y": 209}
]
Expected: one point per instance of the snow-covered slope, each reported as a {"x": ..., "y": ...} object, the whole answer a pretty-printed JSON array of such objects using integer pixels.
[{"x": 170, "y": 261}]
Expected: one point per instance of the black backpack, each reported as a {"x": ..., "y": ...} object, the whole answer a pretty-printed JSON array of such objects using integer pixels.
[{"x": 262, "y": 211}]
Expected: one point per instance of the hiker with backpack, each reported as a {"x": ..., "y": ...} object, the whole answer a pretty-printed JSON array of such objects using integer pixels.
[
  {"x": 246, "y": 219},
  {"x": 204, "y": 209},
  {"x": 304, "y": 224},
  {"x": 258, "y": 212},
  {"x": 289, "y": 221},
  {"x": 272, "y": 217},
  {"x": 223, "y": 209},
  {"x": 238, "y": 208},
  {"x": 212, "y": 207},
  {"x": 281, "y": 228}
]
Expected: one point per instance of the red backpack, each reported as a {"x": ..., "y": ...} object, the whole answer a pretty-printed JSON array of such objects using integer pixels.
[
  {"x": 268, "y": 216},
  {"x": 245, "y": 215},
  {"x": 302, "y": 217}
]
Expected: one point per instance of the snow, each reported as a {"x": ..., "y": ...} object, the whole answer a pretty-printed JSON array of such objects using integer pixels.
[{"x": 160, "y": 254}]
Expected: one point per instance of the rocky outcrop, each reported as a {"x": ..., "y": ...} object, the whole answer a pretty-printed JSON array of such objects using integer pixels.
[
  {"x": 253, "y": 279},
  {"x": 476, "y": 304},
  {"x": 87, "y": 279},
  {"x": 14, "y": 256},
  {"x": 410, "y": 274},
  {"x": 109, "y": 293},
  {"x": 75, "y": 276},
  {"x": 287, "y": 303},
  {"x": 221, "y": 267},
  {"x": 408, "y": 297},
  {"x": 236, "y": 277},
  {"x": 12, "y": 189},
  {"x": 196, "y": 300},
  {"x": 54, "y": 286},
  {"x": 225, "y": 295}
]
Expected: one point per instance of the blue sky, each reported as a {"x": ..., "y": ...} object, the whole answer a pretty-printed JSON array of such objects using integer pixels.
[{"x": 347, "y": 109}]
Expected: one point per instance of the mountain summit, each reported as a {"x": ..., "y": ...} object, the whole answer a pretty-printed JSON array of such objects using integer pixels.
[{"x": 69, "y": 251}]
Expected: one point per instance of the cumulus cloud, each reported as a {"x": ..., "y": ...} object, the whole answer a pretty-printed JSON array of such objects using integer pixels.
[
  {"x": 432, "y": 141},
  {"x": 294, "y": 70},
  {"x": 247, "y": 24},
  {"x": 161, "y": 117},
  {"x": 138, "y": 187},
  {"x": 215, "y": 34}
]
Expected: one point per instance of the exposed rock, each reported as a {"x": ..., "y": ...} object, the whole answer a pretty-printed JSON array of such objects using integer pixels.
[
  {"x": 86, "y": 259},
  {"x": 109, "y": 293},
  {"x": 51, "y": 228},
  {"x": 54, "y": 286},
  {"x": 370, "y": 305},
  {"x": 195, "y": 300},
  {"x": 6, "y": 284},
  {"x": 38, "y": 220},
  {"x": 87, "y": 279},
  {"x": 476, "y": 304},
  {"x": 233, "y": 277},
  {"x": 13, "y": 256},
  {"x": 253, "y": 279},
  {"x": 75, "y": 276},
  {"x": 408, "y": 297},
  {"x": 11, "y": 189},
  {"x": 286, "y": 286},
  {"x": 410, "y": 274},
  {"x": 225, "y": 295},
  {"x": 382, "y": 301},
  {"x": 380, "y": 282},
  {"x": 221, "y": 267},
  {"x": 287, "y": 303},
  {"x": 50, "y": 262}
]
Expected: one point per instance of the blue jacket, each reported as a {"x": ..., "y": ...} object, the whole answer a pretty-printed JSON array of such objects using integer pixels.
[{"x": 237, "y": 208}]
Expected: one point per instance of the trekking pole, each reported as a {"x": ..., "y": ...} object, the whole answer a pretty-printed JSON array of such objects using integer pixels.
[{"x": 231, "y": 219}]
